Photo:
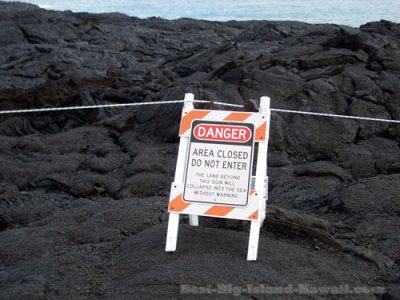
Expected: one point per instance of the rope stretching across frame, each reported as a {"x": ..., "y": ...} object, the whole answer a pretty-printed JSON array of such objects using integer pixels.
[{"x": 54, "y": 109}]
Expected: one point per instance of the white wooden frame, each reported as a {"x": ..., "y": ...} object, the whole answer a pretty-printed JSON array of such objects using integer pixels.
[{"x": 260, "y": 183}]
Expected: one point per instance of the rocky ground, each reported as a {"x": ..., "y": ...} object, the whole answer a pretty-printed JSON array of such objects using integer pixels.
[{"x": 83, "y": 194}]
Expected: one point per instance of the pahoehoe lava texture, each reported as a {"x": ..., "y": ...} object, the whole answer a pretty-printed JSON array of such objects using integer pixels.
[{"x": 83, "y": 194}]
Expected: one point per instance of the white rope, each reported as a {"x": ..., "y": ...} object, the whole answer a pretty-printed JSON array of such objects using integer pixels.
[
  {"x": 224, "y": 104},
  {"x": 48, "y": 109},
  {"x": 334, "y": 115}
]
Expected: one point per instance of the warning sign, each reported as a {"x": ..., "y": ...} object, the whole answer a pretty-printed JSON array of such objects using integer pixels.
[
  {"x": 214, "y": 173},
  {"x": 219, "y": 163}
]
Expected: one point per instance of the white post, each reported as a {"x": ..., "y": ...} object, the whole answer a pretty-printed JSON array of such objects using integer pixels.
[
  {"x": 263, "y": 154},
  {"x": 172, "y": 232},
  {"x": 173, "y": 220},
  {"x": 260, "y": 185},
  {"x": 253, "y": 240},
  {"x": 187, "y": 106}
]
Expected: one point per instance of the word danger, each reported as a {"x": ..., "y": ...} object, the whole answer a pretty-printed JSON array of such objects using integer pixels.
[{"x": 224, "y": 133}]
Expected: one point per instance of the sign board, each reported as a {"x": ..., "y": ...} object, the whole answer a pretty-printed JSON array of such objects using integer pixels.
[
  {"x": 214, "y": 171},
  {"x": 219, "y": 163}
]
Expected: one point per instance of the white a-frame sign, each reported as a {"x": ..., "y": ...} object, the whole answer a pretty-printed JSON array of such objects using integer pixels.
[{"x": 214, "y": 171}]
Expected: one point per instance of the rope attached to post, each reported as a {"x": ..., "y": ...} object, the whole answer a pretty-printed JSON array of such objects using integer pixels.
[
  {"x": 55, "y": 109},
  {"x": 334, "y": 115}
]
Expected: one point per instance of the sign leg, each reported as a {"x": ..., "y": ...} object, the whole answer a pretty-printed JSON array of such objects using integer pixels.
[
  {"x": 172, "y": 233},
  {"x": 253, "y": 240},
  {"x": 193, "y": 220}
]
